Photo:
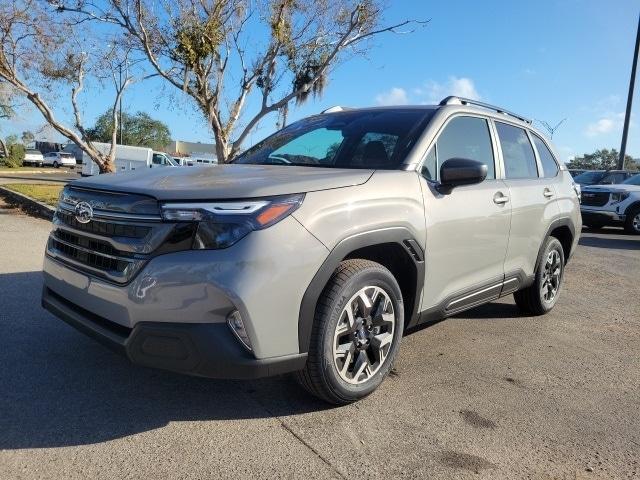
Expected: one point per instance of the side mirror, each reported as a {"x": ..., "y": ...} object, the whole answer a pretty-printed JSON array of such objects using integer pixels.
[{"x": 456, "y": 172}]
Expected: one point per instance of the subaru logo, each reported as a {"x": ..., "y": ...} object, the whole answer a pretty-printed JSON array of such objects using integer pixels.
[{"x": 84, "y": 212}]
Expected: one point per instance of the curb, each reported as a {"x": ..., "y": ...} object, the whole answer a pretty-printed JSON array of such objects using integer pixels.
[{"x": 28, "y": 204}]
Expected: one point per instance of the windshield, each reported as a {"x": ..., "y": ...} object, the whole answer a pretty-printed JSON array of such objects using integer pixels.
[
  {"x": 589, "y": 178},
  {"x": 635, "y": 180},
  {"x": 377, "y": 139}
]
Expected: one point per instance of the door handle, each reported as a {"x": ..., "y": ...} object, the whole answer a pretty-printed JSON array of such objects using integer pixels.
[
  {"x": 500, "y": 198},
  {"x": 547, "y": 193}
]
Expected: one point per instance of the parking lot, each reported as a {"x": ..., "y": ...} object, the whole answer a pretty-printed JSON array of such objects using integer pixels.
[{"x": 487, "y": 394}]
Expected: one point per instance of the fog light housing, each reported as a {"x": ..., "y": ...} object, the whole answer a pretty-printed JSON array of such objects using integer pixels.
[{"x": 234, "y": 320}]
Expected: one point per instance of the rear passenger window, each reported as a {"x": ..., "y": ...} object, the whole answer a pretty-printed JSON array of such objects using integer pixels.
[
  {"x": 517, "y": 152},
  {"x": 549, "y": 165},
  {"x": 463, "y": 137}
]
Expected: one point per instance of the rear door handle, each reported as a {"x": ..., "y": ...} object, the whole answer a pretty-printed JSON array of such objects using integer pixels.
[
  {"x": 547, "y": 193},
  {"x": 500, "y": 198}
]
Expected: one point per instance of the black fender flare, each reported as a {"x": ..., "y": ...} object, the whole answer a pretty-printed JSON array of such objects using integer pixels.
[
  {"x": 559, "y": 222},
  {"x": 399, "y": 235},
  {"x": 628, "y": 210}
]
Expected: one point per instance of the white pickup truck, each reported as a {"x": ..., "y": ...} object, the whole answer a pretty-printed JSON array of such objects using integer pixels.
[
  {"x": 128, "y": 159},
  {"x": 619, "y": 204}
]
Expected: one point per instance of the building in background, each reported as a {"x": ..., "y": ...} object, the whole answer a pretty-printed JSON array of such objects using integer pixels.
[{"x": 181, "y": 148}]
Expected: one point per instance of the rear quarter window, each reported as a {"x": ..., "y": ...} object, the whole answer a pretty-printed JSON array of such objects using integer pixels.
[{"x": 549, "y": 164}]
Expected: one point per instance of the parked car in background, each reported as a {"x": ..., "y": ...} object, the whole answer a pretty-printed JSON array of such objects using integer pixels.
[
  {"x": 33, "y": 157},
  {"x": 612, "y": 205},
  {"x": 318, "y": 247},
  {"x": 183, "y": 161},
  {"x": 602, "y": 177},
  {"x": 59, "y": 159}
]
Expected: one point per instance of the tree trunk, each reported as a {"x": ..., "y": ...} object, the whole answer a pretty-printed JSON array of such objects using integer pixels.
[
  {"x": 4, "y": 148},
  {"x": 108, "y": 166}
]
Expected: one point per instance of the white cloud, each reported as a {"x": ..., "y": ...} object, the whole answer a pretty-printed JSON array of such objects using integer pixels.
[
  {"x": 458, "y": 86},
  {"x": 604, "y": 125},
  {"x": 430, "y": 92},
  {"x": 395, "y": 96}
]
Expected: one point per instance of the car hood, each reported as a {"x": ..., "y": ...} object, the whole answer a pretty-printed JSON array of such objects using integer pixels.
[
  {"x": 619, "y": 187},
  {"x": 225, "y": 181}
]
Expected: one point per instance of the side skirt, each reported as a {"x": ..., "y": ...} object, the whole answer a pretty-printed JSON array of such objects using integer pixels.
[{"x": 475, "y": 296}]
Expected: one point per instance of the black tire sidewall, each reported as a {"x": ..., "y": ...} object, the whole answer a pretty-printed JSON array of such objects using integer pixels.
[
  {"x": 552, "y": 243},
  {"x": 629, "y": 221},
  {"x": 373, "y": 276}
]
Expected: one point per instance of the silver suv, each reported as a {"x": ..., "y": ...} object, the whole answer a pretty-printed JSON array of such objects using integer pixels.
[{"x": 318, "y": 247}]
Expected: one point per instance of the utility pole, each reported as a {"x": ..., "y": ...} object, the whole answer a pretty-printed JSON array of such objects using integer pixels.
[
  {"x": 120, "y": 106},
  {"x": 627, "y": 117}
]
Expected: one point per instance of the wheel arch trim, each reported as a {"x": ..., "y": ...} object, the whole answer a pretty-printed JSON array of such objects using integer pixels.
[
  {"x": 398, "y": 235},
  {"x": 559, "y": 222}
]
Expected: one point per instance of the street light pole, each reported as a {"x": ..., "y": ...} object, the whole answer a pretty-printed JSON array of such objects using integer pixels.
[
  {"x": 120, "y": 101},
  {"x": 627, "y": 117}
]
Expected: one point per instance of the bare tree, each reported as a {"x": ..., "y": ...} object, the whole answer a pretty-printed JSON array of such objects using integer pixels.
[
  {"x": 227, "y": 54},
  {"x": 43, "y": 57}
]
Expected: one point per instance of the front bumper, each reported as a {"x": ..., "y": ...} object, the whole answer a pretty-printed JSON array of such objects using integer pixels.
[
  {"x": 190, "y": 294},
  {"x": 201, "y": 349},
  {"x": 604, "y": 217}
]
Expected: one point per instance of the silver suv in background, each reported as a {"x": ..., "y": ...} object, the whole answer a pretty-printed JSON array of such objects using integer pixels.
[
  {"x": 613, "y": 205},
  {"x": 318, "y": 247}
]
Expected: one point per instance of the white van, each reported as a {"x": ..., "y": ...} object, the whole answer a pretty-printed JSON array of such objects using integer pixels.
[{"x": 127, "y": 159}]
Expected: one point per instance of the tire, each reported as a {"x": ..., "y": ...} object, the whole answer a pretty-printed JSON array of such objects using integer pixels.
[
  {"x": 632, "y": 221},
  {"x": 55, "y": 164},
  {"x": 531, "y": 300},
  {"x": 338, "y": 338}
]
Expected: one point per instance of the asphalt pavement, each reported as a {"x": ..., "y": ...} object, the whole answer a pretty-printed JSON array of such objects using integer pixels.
[{"x": 487, "y": 394}]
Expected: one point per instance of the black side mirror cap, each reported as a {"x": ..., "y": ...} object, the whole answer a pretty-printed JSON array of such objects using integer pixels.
[{"x": 456, "y": 172}]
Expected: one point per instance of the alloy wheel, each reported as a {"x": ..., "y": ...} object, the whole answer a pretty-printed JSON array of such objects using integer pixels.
[
  {"x": 636, "y": 222},
  {"x": 363, "y": 335},
  {"x": 551, "y": 276}
]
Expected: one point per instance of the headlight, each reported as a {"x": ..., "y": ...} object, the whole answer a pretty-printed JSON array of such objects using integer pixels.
[
  {"x": 617, "y": 197},
  {"x": 221, "y": 224}
]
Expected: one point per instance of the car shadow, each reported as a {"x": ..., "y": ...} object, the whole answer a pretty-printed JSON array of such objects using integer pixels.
[
  {"x": 610, "y": 238},
  {"x": 60, "y": 388}
]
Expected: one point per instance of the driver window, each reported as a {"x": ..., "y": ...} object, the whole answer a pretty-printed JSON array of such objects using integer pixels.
[
  {"x": 316, "y": 146},
  {"x": 157, "y": 159},
  {"x": 463, "y": 137}
]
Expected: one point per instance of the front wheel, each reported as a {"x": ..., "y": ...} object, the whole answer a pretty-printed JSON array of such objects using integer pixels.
[
  {"x": 55, "y": 165},
  {"x": 356, "y": 333},
  {"x": 632, "y": 222},
  {"x": 541, "y": 296}
]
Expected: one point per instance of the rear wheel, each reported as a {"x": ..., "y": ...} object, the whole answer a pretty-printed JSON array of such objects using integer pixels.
[
  {"x": 632, "y": 222},
  {"x": 356, "y": 333},
  {"x": 541, "y": 296}
]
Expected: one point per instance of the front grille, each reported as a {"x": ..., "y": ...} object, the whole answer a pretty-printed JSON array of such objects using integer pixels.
[
  {"x": 123, "y": 232},
  {"x": 93, "y": 260},
  {"x": 109, "y": 229},
  {"x": 594, "y": 199}
]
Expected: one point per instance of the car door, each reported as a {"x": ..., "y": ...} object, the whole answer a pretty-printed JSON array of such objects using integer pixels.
[
  {"x": 531, "y": 195},
  {"x": 467, "y": 229}
]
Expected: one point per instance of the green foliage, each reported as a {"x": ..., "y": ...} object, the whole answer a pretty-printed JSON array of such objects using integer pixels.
[
  {"x": 16, "y": 156},
  {"x": 27, "y": 137},
  {"x": 139, "y": 130},
  {"x": 197, "y": 39},
  {"x": 603, "y": 159}
]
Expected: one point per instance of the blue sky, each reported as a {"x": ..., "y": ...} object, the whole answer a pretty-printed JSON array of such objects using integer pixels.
[{"x": 548, "y": 60}]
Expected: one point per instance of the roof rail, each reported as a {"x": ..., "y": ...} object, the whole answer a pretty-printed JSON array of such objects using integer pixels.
[
  {"x": 453, "y": 100},
  {"x": 335, "y": 108}
]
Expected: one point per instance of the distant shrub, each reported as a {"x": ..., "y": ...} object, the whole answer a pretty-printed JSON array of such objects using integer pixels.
[{"x": 16, "y": 156}]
